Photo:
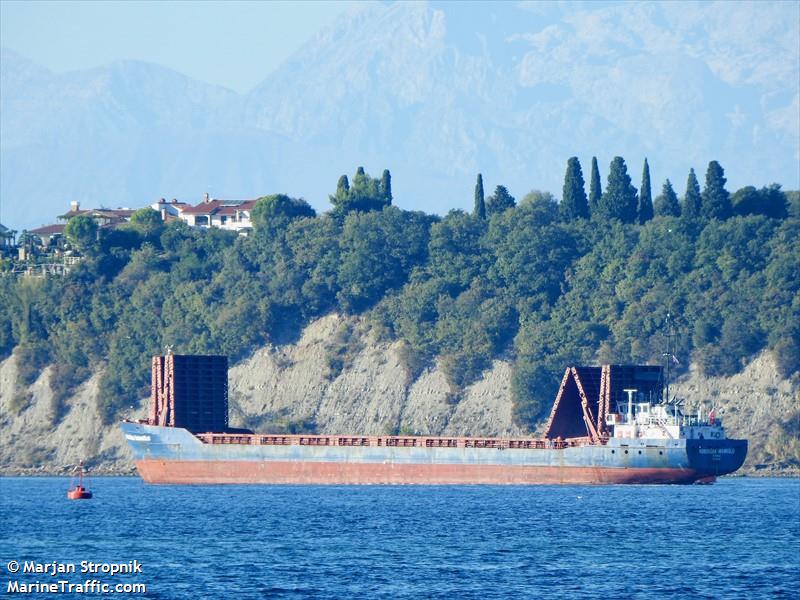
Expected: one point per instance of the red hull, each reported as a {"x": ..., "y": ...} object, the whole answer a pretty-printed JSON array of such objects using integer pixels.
[
  {"x": 296, "y": 472},
  {"x": 79, "y": 493}
]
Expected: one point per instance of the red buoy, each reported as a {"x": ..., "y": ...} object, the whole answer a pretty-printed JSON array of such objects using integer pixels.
[{"x": 78, "y": 492}]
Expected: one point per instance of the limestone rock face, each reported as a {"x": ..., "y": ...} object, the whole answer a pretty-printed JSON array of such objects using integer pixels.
[
  {"x": 293, "y": 384},
  {"x": 33, "y": 444}
]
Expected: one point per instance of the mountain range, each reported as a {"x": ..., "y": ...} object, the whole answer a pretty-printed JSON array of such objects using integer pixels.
[{"x": 435, "y": 92}]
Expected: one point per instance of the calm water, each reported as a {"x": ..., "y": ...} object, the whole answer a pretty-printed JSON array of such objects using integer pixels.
[{"x": 739, "y": 538}]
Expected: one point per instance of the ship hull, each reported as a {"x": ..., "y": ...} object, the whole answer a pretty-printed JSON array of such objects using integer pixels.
[
  {"x": 167, "y": 455},
  {"x": 335, "y": 473}
]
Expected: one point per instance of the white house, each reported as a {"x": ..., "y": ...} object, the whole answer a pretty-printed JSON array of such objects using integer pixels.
[
  {"x": 169, "y": 211},
  {"x": 233, "y": 215}
]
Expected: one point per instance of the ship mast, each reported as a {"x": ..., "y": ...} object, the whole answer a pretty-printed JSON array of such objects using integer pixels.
[
  {"x": 668, "y": 353},
  {"x": 669, "y": 356}
]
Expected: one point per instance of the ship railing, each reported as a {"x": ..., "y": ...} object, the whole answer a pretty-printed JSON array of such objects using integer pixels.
[
  {"x": 400, "y": 442},
  {"x": 353, "y": 441},
  {"x": 273, "y": 440},
  {"x": 314, "y": 441},
  {"x": 441, "y": 443}
]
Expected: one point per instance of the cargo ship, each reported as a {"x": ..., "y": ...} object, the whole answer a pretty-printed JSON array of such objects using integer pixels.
[{"x": 609, "y": 424}]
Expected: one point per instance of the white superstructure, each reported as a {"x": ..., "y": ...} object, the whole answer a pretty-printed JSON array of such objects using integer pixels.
[{"x": 643, "y": 420}]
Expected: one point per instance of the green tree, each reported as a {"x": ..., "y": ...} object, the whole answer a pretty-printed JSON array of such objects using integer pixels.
[
  {"x": 342, "y": 188},
  {"x": 341, "y": 201},
  {"x": 691, "y": 199},
  {"x": 787, "y": 354},
  {"x": 364, "y": 194},
  {"x": 645, "y": 196},
  {"x": 364, "y": 185},
  {"x": 619, "y": 200},
  {"x": 500, "y": 201},
  {"x": 573, "y": 201},
  {"x": 81, "y": 231},
  {"x": 793, "y": 201},
  {"x": 595, "y": 187},
  {"x": 531, "y": 252},
  {"x": 745, "y": 201},
  {"x": 667, "y": 205},
  {"x": 480, "y": 204},
  {"x": 386, "y": 187},
  {"x": 768, "y": 201},
  {"x": 716, "y": 201},
  {"x": 147, "y": 222},
  {"x": 378, "y": 252},
  {"x": 455, "y": 255},
  {"x": 278, "y": 210}
]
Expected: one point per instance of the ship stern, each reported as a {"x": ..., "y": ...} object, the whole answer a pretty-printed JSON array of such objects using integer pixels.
[{"x": 712, "y": 458}]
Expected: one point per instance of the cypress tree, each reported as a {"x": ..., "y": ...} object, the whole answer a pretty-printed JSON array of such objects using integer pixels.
[
  {"x": 343, "y": 186},
  {"x": 716, "y": 201},
  {"x": 666, "y": 204},
  {"x": 500, "y": 201},
  {"x": 645, "y": 196},
  {"x": 386, "y": 187},
  {"x": 480, "y": 204},
  {"x": 340, "y": 199},
  {"x": 573, "y": 201},
  {"x": 619, "y": 200},
  {"x": 360, "y": 181},
  {"x": 691, "y": 200},
  {"x": 595, "y": 189}
]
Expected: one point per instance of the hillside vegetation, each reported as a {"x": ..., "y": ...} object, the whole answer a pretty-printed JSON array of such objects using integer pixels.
[{"x": 539, "y": 283}]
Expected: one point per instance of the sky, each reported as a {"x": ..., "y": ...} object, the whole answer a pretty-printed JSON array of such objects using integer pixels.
[{"x": 233, "y": 44}]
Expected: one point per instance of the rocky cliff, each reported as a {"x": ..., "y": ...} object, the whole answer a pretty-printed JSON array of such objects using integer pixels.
[{"x": 366, "y": 391}]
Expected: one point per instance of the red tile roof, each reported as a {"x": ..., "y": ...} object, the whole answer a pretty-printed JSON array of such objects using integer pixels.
[
  {"x": 48, "y": 230},
  {"x": 204, "y": 208}
]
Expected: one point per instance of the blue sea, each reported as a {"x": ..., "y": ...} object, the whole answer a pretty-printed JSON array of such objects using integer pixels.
[{"x": 738, "y": 538}]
